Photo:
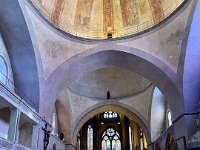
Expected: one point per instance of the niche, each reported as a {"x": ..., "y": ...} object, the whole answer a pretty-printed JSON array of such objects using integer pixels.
[{"x": 109, "y": 35}]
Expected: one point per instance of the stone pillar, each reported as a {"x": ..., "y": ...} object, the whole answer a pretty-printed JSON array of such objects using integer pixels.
[
  {"x": 127, "y": 140},
  {"x": 123, "y": 139},
  {"x": 96, "y": 132},
  {"x": 35, "y": 137},
  {"x": 13, "y": 125},
  {"x": 133, "y": 138},
  {"x": 135, "y": 135},
  {"x": 84, "y": 137}
]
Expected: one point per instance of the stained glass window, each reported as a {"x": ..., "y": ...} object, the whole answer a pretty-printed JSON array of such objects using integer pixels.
[
  {"x": 169, "y": 117},
  {"x": 131, "y": 138},
  {"x": 90, "y": 138},
  {"x": 110, "y": 114},
  {"x": 111, "y": 140},
  {"x": 141, "y": 138},
  {"x": 3, "y": 70}
]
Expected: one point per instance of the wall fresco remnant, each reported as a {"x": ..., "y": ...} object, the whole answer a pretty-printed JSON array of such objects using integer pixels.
[{"x": 83, "y": 13}]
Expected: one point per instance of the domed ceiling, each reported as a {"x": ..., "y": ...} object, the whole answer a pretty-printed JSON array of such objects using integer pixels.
[
  {"x": 99, "y": 19},
  {"x": 119, "y": 82}
]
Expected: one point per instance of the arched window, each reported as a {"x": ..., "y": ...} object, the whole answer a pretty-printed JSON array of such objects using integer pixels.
[
  {"x": 111, "y": 140},
  {"x": 169, "y": 118},
  {"x": 141, "y": 138},
  {"x": 3, "y": 70},
  {"x": 90, "y": 138},
  {"x": 131, "y": 138},
  {"x": 110, "y": 114}
]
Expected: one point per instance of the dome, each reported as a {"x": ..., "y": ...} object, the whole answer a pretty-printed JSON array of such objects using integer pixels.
[
  {"x": 102, "y": 19},
  {"x": 119, "y": 82}
]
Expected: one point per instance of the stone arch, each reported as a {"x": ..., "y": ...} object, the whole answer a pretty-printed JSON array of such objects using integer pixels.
[
  {"x": 125, "y": 57},
  {"x": 116, "y": 107}
]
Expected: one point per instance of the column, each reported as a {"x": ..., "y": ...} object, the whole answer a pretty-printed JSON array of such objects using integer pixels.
[
  {"x": 123, "y": 133},
  {"x": 135, "y": 135},
  {"x": 14, "y": 124}
]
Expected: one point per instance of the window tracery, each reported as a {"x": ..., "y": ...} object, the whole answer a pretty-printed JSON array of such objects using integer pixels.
[
  {"x": 169, "y": 118},
  {"x": 131, "y": 138},
  {"x": 90, "y": 138},
  {"x": 111, "y": 140},
  {"x": 110, "y": 114}
]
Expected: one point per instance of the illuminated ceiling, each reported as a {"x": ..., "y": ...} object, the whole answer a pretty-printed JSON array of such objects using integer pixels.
[{"x": 97, "y": 19}]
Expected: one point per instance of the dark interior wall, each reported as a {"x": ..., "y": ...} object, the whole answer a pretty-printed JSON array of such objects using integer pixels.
[
  {"x": 4, "y": 121},
  {"x": 20, "y": 49}
]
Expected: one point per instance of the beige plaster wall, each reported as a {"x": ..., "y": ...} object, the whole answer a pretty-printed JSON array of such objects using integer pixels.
[{"x": 79, "y": 105}]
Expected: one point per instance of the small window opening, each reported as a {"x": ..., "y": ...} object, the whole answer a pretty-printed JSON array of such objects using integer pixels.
[
  {"x": 109, "y": 35},
  {"x": 108, "y": 95}
]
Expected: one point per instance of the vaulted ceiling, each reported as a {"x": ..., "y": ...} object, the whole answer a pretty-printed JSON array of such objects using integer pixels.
[{"x": 119, "y": 82}]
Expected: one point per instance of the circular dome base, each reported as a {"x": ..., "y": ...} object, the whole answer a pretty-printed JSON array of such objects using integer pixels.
[{"x": 105, "y": 19}]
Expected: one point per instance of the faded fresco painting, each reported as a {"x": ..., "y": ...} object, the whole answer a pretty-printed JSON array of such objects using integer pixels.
[
  {"x": 101, "y": 19},
  {"x": 143, "y": 7},
  {"x": 58, "y": 8},
  {"x": 129, "y": 12},
  {"x": 83, "y": 13},
  {"x": 108, "y": 20},
  {"x": 157, "y": 10}
]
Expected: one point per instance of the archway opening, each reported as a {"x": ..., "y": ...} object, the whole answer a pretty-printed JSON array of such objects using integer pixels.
[
  {"x": 161, "y": 113},
  {"x": 110, "y": 130}
]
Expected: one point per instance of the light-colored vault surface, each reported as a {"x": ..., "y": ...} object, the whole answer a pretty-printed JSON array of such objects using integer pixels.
[{"x": 119, "y": 82}]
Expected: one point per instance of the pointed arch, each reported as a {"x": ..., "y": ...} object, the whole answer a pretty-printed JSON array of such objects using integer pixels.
[{"x": 116, "y": 107}]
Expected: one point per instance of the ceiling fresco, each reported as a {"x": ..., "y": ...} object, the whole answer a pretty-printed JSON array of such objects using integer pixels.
[{"x": 101, "y": 19}]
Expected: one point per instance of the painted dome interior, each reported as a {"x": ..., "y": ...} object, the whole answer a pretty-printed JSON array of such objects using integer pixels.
[{"x": 101, "y": 19}]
